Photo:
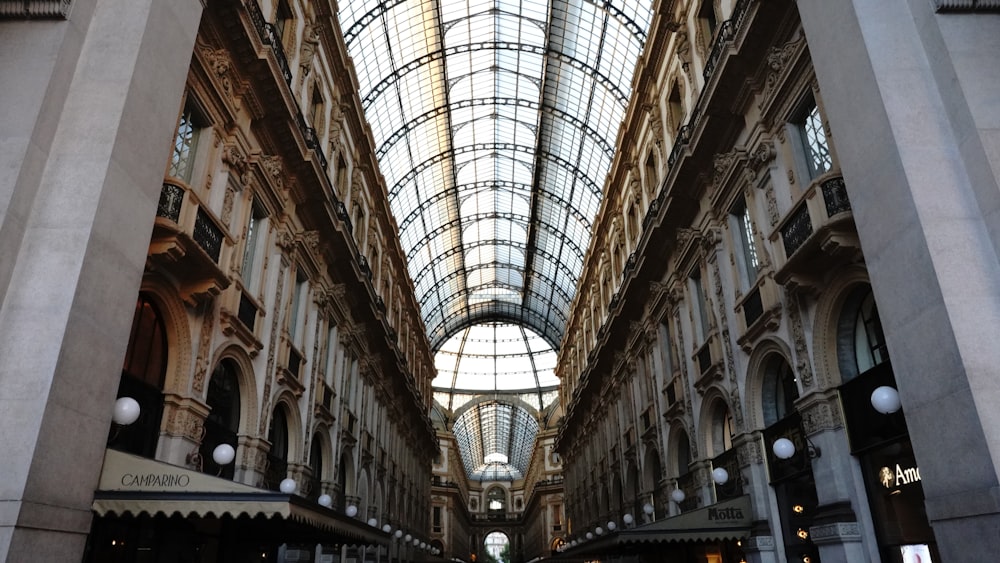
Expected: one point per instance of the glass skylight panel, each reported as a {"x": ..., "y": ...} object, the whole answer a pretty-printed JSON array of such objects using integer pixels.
[{"x": 502, "y": 109}]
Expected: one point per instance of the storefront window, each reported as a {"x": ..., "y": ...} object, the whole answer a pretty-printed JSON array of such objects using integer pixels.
[
  {"x": 143, "y": 375},
  {"x": 223, "y": 418}
]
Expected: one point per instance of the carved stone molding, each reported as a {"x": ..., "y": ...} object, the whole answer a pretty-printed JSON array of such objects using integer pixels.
[
  {"x": 777, "y": 62},
  {"x": 35, "y": 9},
  {"x": 835, "y": 532},
  {"x": 820, "y": 416},
  {"x": 759, "y": 543}
]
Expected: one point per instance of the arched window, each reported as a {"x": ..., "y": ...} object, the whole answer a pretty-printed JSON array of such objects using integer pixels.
[
  {"x": 277, "y": 457},
  {"x": 223, "y": 420},
  {"x": 496, "y": 500},
  {"x": 143, "y": 375},
  {"x": 869, "y": 340},
  {"x": 316, "y": 463},
  {"x": 683, "y": 454},
  {"x": 722, "y": 428},
  {"x": 780, "y": 391}
]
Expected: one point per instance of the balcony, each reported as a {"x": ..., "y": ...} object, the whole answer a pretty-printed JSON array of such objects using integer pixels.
[
  {"x": 289, "y": 374},
  {"x": 238, "y": 317},
  {"x": 708, "y": 359},
  {"x": 673, "y": 395},
  {"x": 324, "y": 402},
  {"x": 817, "y": 234},
  {"x": 757, "y": 312},
  {"x": 188, "y": 244}
]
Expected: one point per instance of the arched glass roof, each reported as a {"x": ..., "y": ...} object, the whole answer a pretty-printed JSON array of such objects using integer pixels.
[
  {"x": 495, "y": 124},
  {"x": 496, "y": 439}
]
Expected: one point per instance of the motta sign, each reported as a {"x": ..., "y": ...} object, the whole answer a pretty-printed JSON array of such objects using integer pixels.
[
  {"x": 898, "y": 476},
  {"x": 730, "y": 514}
]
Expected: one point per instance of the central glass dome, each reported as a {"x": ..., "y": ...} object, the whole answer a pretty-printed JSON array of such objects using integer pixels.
[{"x": 495, "y": 378}]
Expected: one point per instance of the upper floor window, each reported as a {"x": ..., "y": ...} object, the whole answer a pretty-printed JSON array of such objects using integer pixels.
[
  {"x": 298, "y": 312},
  {"x": 496, "y": 499},
  {"x": 815, "y": 145},
  {"x": 700, "y": 305},
  {"x": 675, "y": 110},
  {"x": 284, "y": 25},
  {"x": 254, "y": 242},
  {"x": 722, "y": 429},
  {"x": 742, "y": 227},
  {"x": 189, "y": 130},
  {"x": 707, "y": 18}
]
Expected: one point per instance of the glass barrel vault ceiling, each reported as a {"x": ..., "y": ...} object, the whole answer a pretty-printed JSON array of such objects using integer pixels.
[{"x": 494, "y": 124}]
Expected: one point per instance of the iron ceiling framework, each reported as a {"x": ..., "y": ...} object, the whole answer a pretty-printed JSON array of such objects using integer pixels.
[{"x": 494, "y": 124}]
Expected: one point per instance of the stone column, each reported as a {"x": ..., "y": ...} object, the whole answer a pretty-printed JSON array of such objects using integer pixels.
[
  {"x": 89, "y": 108},
  {"x": 910, "y": 97}
]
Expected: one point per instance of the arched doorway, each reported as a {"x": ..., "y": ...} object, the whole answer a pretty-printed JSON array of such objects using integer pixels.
[
  {"x": 496, "y": 548},
  {"x": 223, "y": 418},
  {"x": 143, "y": 375}
]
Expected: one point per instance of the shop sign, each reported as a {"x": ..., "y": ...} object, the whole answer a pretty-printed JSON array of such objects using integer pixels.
[
  {"x": 725, "y": 515},
  {"x": 894, "y": 477}
]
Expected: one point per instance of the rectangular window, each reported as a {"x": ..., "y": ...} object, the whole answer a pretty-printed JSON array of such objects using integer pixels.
[
  {"x": 701, "y": 308},
  {"x": 437, "y": 518},
  {"x": 298, "y": 309},
  {"x": 815, "y": 146},
  {"x": 330, "y": 358},
  {"x": 746, "y": 256},
  {"x": 254, "y": 238},
  {"x": 185, "y": 144},
  {"x": 668, "y": 356},
  {"x": 707, "y": 18}
]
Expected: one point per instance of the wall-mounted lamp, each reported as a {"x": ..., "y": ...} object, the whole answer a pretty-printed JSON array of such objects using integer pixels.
[
  {"x": 648, "y": 509},
  {"x": 408, "y": 538},
  {"x": 598, "y": 530},
  {"x": 288, "y": 486},
  {"x": 612, "y": 525},
  {"x": 885, "y": 399},
  {"x": 351, "y": 511},
  {"x": 386, "y": 528},
  {"x": 373, "y": 522},
  {"x": 325, "y": 500},
  {"x": 590, "y": 535},
  {"x": 783, "y": 448},
  {"x": 126, "y": 411},
  {"x": 628, "y": 519},
  {"x": 720, "y": 475},
  {"x": 677, "y": 495},
  {"x": 398, "y": 534}
]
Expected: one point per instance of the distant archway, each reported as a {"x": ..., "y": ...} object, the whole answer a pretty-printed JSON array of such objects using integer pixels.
[{"x": 497, "y": 546}]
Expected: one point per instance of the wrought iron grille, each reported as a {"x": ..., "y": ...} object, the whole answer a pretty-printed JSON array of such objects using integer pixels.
[
  {"x": 247, "y": 313},
  {"x": 835, "y": 196},
  {"x": 752, "y": 307},
  {"x": 171, "y": 198},
  {"x": 208, "y": 235},
  {"x": 796, "y": 230}
]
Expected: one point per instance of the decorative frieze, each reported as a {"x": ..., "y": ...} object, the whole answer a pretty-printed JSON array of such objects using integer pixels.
[{"x": 835, "y": 532}]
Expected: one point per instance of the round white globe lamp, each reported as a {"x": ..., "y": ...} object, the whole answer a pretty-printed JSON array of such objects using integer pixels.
[
  {"x": 783, "y": 448},
  {"x": 325, "y": 500},
  {"x": 351, "y": 511},
  {"x": 126, "y": 411},
  {"x": 288, "y": 486},
  {"x": 223, "y": 454},
  {"x": 720, "y": 475},
  {"x": 677, "y": 495},
  {"x": 628, "y": 519},
  {"x": 885, "y": 399}
]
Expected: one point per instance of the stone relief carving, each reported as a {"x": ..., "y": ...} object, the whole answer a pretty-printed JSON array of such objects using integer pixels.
[
  {"x": 204, "y": 343},
  {"x": 274, "y": 168},
  {"x": 825, "y": 415},
  {"x": 777, "y": 60},
  {"x": 802, "y": 361},
  {"x": 271, "y": 373}
]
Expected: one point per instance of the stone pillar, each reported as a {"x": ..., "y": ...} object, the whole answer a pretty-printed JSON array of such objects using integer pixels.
[
  {"x": 89, "y": 107},
  {"x": 910, "y": 98}
]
